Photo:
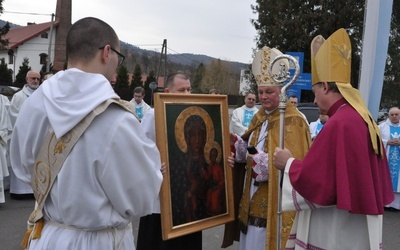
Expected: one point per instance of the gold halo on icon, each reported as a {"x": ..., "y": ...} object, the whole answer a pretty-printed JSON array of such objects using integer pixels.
[
  {"x": 180, "y": 123},
  {"x": 208, "y": 148}
]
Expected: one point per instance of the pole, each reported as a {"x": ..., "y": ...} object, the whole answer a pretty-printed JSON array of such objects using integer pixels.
[
  {"x": 151, "y": 102},
  {"x": 375, "y": 44},
  {"x": 152, "y": 86},
  {"x": 164, "y": 46},
  {"x": 14, "y": 66},
  {"x": 283, "y": 76},
  {"x": 165, "y": 61},
  {"x": 50, "y": 41}
]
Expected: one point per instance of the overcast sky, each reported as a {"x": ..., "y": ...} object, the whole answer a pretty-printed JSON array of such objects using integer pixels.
[{"x": 216, "y": 28}]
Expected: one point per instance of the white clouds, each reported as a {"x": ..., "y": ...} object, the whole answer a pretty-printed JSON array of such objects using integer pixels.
[{"x": 220, "y": 29}]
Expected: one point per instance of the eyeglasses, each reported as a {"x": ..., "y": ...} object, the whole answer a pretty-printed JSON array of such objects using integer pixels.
[
  {"x": 35, "y": 78},
  {"x": 121, "y": 57}
]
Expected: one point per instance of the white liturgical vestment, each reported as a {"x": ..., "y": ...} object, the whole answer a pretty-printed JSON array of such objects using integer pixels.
[
  {"x": 111, "y": 175},
  {"x": 17, "y": 186}
]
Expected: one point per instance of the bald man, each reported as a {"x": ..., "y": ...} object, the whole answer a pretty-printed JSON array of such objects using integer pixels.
[
  {"x": 390, "y": 132},
  {"x": 19, "y": 189}
]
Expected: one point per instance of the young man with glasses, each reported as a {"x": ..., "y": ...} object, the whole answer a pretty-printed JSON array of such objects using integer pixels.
[
  {"x": 111, "y": 175},
  {"x": 19, "y": 189},
  {"x": 140, "y": 106},
  {"x": 241, "y": 117}
]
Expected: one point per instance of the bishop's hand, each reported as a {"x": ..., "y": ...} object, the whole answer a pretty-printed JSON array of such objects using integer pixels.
[{"x": 281, "y": 156}]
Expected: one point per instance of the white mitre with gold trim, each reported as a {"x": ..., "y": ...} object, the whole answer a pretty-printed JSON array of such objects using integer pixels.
[{"x": 262, "y": 63}]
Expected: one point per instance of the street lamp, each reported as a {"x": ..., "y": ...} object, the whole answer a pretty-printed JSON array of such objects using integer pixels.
[{"x": 152, "y": 86}]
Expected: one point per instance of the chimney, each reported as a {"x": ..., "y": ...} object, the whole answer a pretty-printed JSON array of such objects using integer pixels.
[{"x": 63, "y": 15}]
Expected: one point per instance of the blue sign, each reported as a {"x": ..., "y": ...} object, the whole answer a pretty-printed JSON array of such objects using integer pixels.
[{"x": 303, "y": 82}]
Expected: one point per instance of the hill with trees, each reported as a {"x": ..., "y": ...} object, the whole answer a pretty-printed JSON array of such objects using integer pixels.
[{"x": 207, "y": 71}]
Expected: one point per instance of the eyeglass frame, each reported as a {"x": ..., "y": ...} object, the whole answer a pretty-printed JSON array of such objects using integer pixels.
[{"x": 118, "y": 53}]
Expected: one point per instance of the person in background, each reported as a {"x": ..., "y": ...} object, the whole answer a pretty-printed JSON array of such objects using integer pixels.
[
  {"x": 293, "y": 99},
  {"x": 19, "y": 189},
  {"x": 315, "y": 127},
  {"x": 5, "y": 131},
  {"x": 149, "y": 236},
  {"x": 390, "y": 132},
  {"x": 141, "y": 107},
  {"x": 341, "y": 186},
  {"x": 258, "y": 205},
  {"x": 46, "y": 76},
  {"x": 241, "y": 117},
  {"x": 111, "y": 175}
]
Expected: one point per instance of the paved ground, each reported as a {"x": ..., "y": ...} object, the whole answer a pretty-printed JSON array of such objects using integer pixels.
[{"x": 14, "y": 213}]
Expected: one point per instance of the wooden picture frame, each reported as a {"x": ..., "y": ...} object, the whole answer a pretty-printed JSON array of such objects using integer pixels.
[{"x": 192, "y": 134}]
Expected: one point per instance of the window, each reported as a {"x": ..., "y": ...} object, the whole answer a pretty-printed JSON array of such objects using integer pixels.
[
  {"x": 43, "y": 58},
  {"x": 45, "y": 35},
  {"x": 10, "y": 56},
  {"x": 11, "y": 59}
]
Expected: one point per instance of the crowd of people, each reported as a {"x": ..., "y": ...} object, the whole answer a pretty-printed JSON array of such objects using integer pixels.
[{"x": 339, "y": 173}]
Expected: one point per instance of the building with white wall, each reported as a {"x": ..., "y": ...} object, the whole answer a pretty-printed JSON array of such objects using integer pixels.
[
  {"x": 40, "y": 43},
  {"x": 35, "y": 42}
]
